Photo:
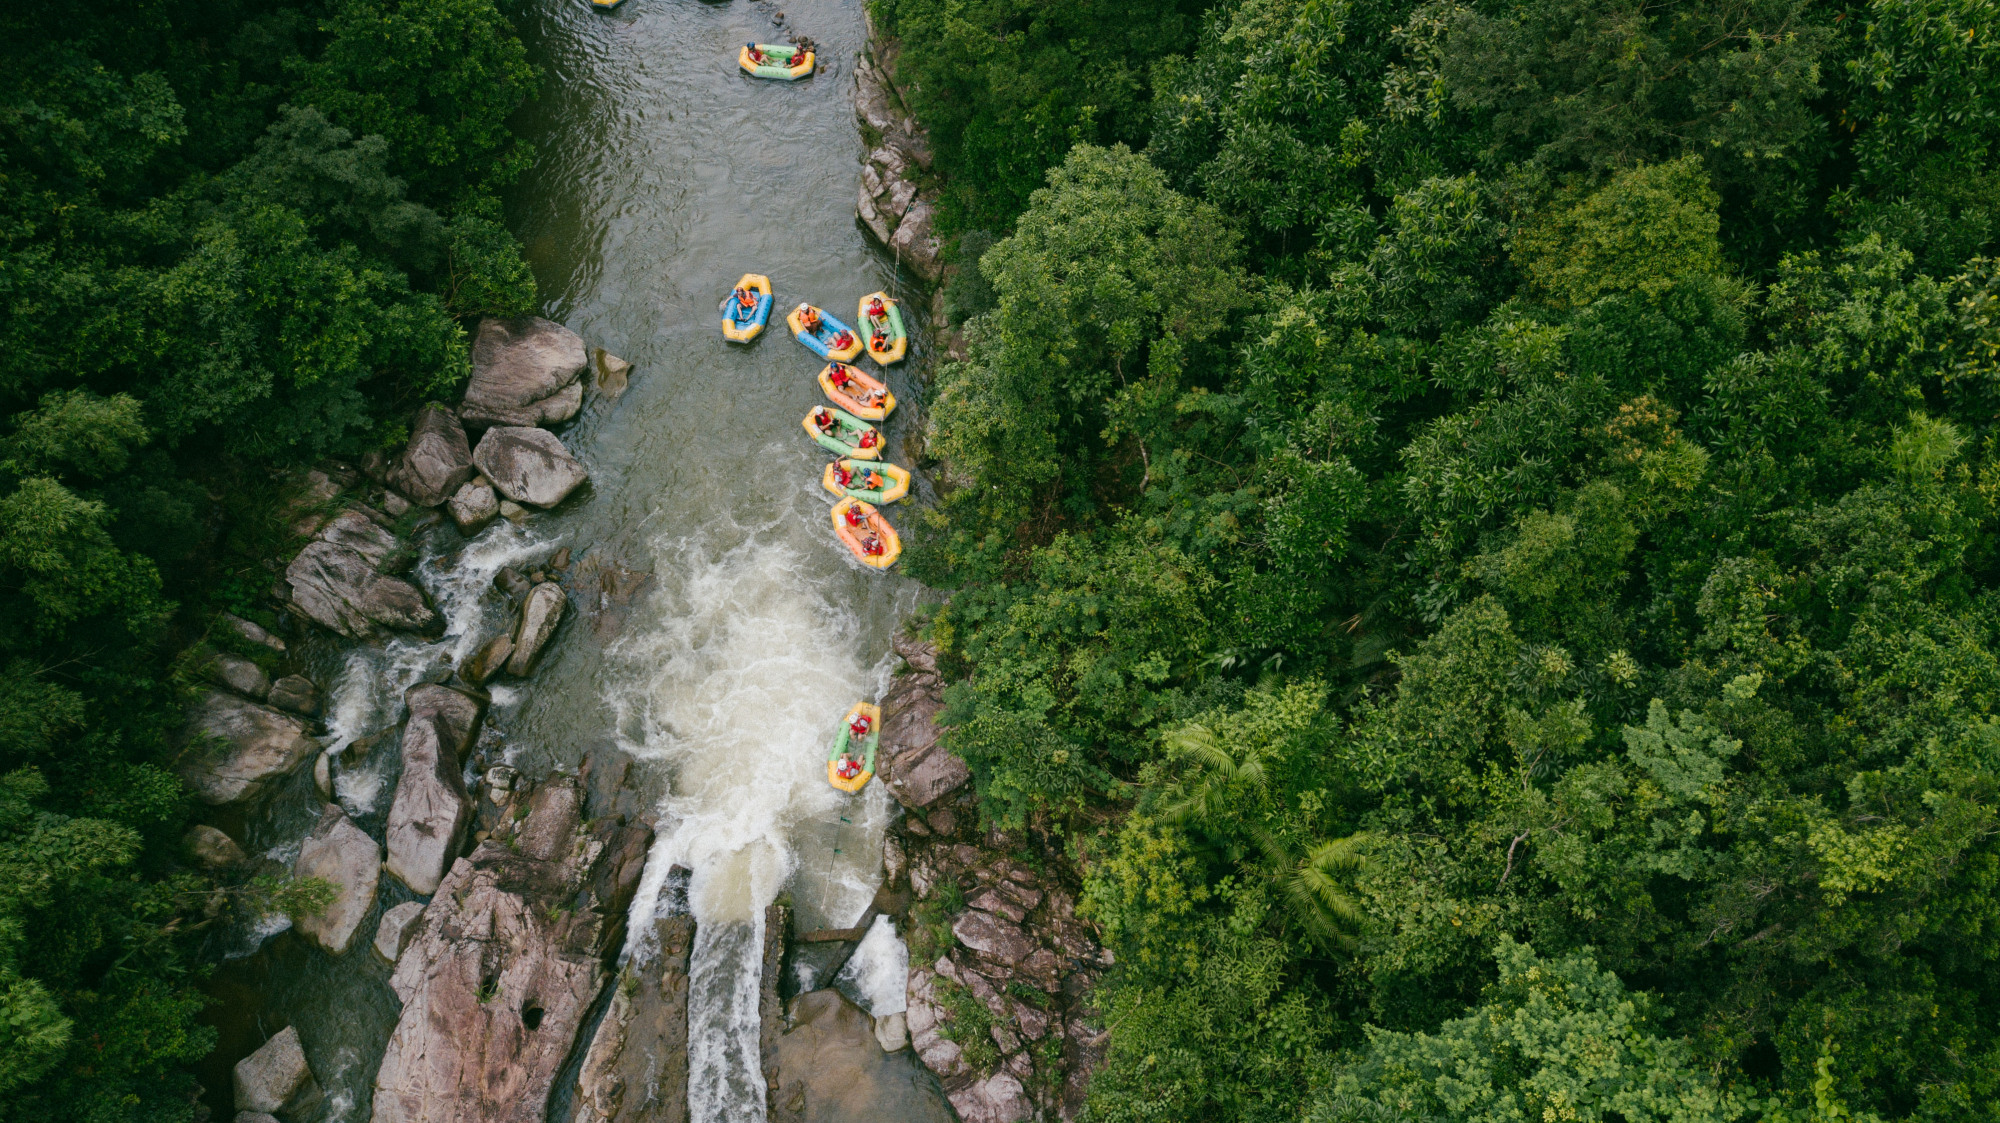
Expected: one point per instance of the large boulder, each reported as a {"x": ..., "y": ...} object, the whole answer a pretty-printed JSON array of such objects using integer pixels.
[
  {"x": 832, "y": 1070},
  {"x": 430, "y": 812},
  {"x": 238, "y": 674},
  {"x": 505, "y": 964},
  {"x": 437, "y": 461},
  {"x": 238, "y": 748},
  {"x": 337, "y": 587},
  {"x": 540, "y": 613},
  {"x": 528, "y": 465},
  {"x": 393, "y": 931},
  {"x": 295, "y": 693},
  {"x": 277, "y": 1080},
  {"x": 917, "y": 769},
  {"x": 213, "y": 848},
  {"x": 342, "y": 853},
  {"x": 1000, "y": 1098},
  {"x": 473, "y": 506},
  {"x": 636, "y": 1070},
  {"x": 524, "y": 372}
]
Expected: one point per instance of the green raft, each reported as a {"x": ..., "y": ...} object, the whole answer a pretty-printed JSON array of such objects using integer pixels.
[{"x": 846, "y": 437}]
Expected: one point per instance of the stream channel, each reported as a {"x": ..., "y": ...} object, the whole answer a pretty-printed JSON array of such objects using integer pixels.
[{"x": 661, "y": 175}]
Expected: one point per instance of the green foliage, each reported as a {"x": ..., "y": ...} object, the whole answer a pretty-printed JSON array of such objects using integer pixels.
[{"x": 1644, "y": 229}]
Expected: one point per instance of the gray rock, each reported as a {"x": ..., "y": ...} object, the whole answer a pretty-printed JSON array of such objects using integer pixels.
[
  {"x": 295, "y": 693},
  {"x": 430, "y": 813},
  {"x": 540, "y": 614},
  {"x": 255, "y": 1117},
  {"x": 276, "y": 1079},
  {"x": 212, "y": 848},
  {"x": 339, "y": 589},
  {"x": 252, "y": 631},
  {"x": 636, "y": 1069},
  {"x": 504, "y": 965},
  {"x": 342, "y": 853},
  {"x": 992, "y": 938},
  {"x": 502, "y": 778},
  {"x": 438, "y": 460},
  {"x": 239, "y": 674},
  {"x": 832, "y": 1068},
  {"x": 999, "y": 1098},
  {"x": 488, "y": 661},
  {"x": 355, "y": 530},
  {"x": 613, "y": 373},
  {"x": 892, "y": 1031},
  {"x": 917, "y": 770},
  {"x": 513, "y": 512},
  {"x": 323, "y": 775},
  {"x": 512, "y": 584},
  {"x": 397, "y": 506},
  {"x": 524, "y": 372},
  {"x": 238, "y": 748},
  {"x": 917, "y": 245},
  {"x": 393, "y": 932},
  {"x": 528, "y": 465},
  {"x": 474, "y": 506},
  {"x": 925, "y": 1016}
]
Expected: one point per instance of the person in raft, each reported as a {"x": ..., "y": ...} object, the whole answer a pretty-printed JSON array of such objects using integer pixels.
[
  {"x": 746, "y": 303},
  {"x": 873, "y": 482},
  {"x": 841, "y": 475},
  {"x": 823, "y": 421},
  {"x": 858, "y": 728},
  {"x": 880, "y": 340},
  {"x": 847, "y": 767},
  {"x": 871, "y": 545},
  {"x": 843, "y": 341},
  {"x": 877, "y": 313},
  {"x": 809, "y": 316},
  {"x": 855, "y": 517},
  {"x": 756, "y": 55},
  {"x": 869, "y": 439}
]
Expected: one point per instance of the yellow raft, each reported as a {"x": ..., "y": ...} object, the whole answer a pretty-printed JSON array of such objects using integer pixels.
[
  {"x": 753, "y": 324},
  {"x": 797, "y": 64},
  {"x": 892, "y": 546},
  {"x": 843, "y": 746},
  {"x": 880, "y": 400},
  {"x": 896, "y": 480},
  {"x": 890, "y": 325}
]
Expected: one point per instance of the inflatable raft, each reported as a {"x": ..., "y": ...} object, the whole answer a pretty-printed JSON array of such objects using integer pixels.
[
  {"x": 821, "y": 340},
  {"x": 740, "y": 326},
  {"x": 863, "y": 754},
  {"x": 848, "y": 431},
  {"x": 895, "y": 483},
  {"x": 890, "y": 325},
  {"x": 605, "y": 5},
  {"x": 854, "y": 537},
  {"x": 781, "y": 61},
  {"x": 848, "y": 398}
]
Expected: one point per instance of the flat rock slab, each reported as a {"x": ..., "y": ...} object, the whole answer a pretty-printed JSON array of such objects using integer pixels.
[
  {"x": 430, "y": 812},
  {"x": 504, "y": 966},
  {"x": 295, "y": 693},
  {"x": 342, "y": 853},
  {"x": 393, "y": 931},
  {"x": 528, "y": 465},
  {"x": 831, "y": 1069},
  {"x": 637, "y": 1069},
  {"x": 917, "y": 769},
  {"x": 437, "y": 461},
  {"x": 337, "y": 587},
  {"x": 238, "y": 748},
  {"x": 276, "y": 1079},
  {"x": 525, "y": 371}
]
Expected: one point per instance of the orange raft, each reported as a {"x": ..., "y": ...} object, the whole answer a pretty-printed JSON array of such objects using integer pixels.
[
  {"x": 847, "y": 398},
  {"x": 855, "y": 537}
]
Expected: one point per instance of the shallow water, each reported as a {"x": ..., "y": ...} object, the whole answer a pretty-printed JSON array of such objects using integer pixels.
[{"x": 662, "y": 175}]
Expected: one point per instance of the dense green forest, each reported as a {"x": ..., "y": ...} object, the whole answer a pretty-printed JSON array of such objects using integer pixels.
[
  {"x": 234, "y": 238},
  {"x": 1478, "y": 522}
]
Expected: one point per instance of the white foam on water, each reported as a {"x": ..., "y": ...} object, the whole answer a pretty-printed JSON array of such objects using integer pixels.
[
  {"x": 877, "y": 975},
  {"x": 735, "y": 687}
]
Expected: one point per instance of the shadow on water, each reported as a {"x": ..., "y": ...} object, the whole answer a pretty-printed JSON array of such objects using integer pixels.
[{"x": 662, "y": 175}]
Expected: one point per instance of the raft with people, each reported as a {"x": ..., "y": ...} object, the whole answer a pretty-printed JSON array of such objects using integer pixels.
[
  {"x": 850, "y": 759},
  {"x": 823, "y": 335},
  {"x": 747, "y": 308},
  {"x": 871, "y": 481},
  {"x": 866, "y": 534},
  {"x": 863, "y": 396},
  {"x": 782, "y": 61},
  {"x": 842, "y": 433},
  {"x": 882, "y": 322}
]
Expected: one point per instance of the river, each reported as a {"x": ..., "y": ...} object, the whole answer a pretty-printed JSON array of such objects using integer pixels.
[{"x": 662, "y": 174}]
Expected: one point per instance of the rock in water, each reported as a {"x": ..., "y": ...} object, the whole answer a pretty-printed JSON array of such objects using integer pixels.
[
  {"x": 429, "y": 815},
  {"x": 524, "y": 372},
  {"x": 474, "y": 506},
  {"x": 295, "y": 693},
  {"x": 831, "y": 1069},
  {"x": 237, "y": 748},
  {"x": 212, "y": 848},
  {"x": 393, "y": 931},
  {"x": 438, "y": 460},
  {"x": 528, "y": 465},
  {"x": 338, "y": 588},
  {"x": 636, "y": 1070},
  {"x": 239, "y": 674},
  {"x": 343, "y": 854},
  {"x": 505, "y": 964},
  {"x": 613, "y": 373},
  {"x": 277, "y": 1080},
  {"x": 540, "y": 614}
]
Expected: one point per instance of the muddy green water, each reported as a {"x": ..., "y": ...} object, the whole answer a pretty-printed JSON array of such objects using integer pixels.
[{"x": 662, "y": 175}]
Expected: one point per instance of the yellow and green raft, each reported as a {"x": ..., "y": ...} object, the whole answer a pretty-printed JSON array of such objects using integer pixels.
[
  {"x": 896, "y": 481},
  {"x": 845, "y": 440},
  {"x": 796, "y": 63},
  {"x": 891, "y": 325},
  {"x": 865, "y": 753}
]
